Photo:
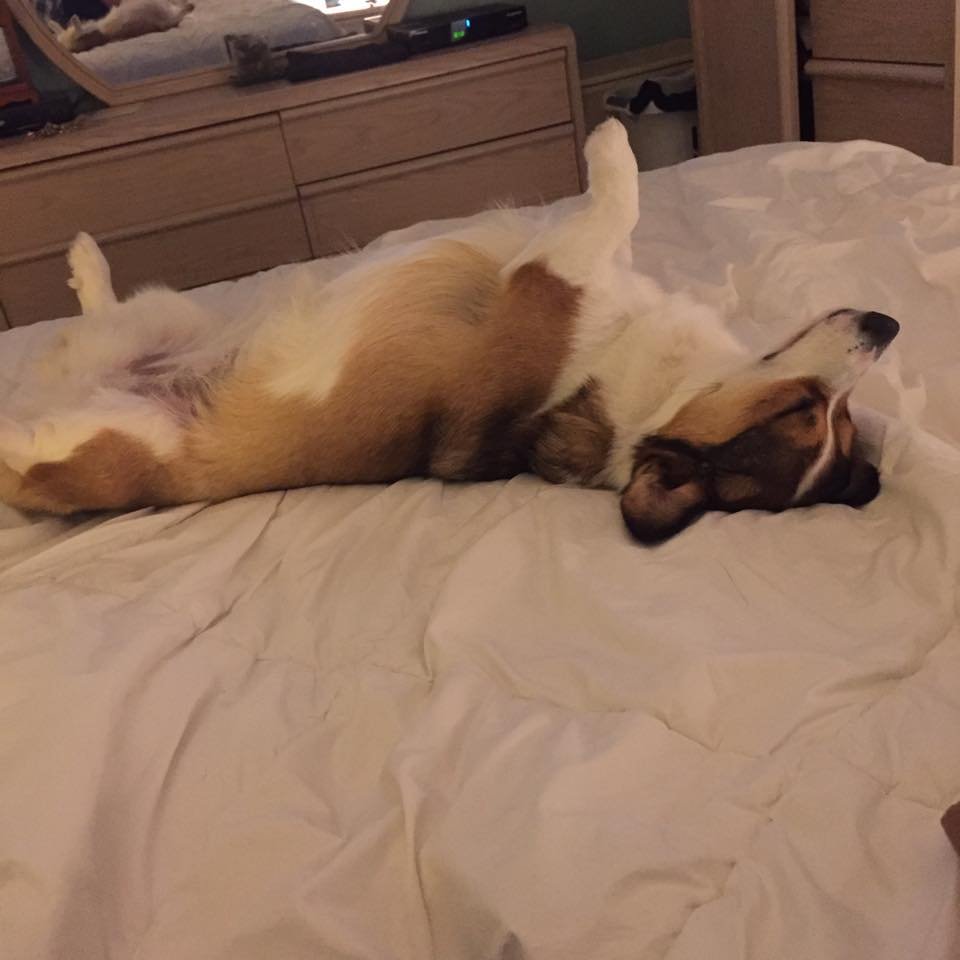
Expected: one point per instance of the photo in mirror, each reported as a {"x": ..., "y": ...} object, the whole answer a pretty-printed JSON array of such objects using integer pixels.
[{"x": 125, "y": 42}]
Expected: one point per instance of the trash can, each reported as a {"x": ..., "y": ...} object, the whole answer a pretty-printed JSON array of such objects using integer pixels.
[{"x": 660, "y": 117}]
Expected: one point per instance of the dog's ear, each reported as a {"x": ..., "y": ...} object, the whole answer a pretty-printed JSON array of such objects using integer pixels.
[{"x": 667, "y": 492}]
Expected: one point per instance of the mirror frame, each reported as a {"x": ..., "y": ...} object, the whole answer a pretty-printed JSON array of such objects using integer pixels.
[{"x": 112, "y": 95}]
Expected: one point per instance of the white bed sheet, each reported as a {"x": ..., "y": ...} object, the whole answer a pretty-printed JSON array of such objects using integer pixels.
[{"x": 477, "y": 721}]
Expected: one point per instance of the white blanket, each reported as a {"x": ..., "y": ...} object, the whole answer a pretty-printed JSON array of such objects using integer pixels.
[{"x": 477, "y": 722}]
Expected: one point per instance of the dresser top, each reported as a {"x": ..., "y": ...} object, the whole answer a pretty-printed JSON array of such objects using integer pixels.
[{"x": 130, "y": 123}]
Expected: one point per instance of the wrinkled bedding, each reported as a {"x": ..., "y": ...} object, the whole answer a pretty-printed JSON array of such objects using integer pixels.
[
  {"x": 197, "y": 42},
  {"x": 464, "y": 722}
]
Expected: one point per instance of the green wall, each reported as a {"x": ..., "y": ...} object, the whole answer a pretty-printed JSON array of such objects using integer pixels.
[{"x": 602, "y": 26}]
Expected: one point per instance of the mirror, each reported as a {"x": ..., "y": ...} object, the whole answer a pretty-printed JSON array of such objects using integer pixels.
[{"x": 127, "y": 50}]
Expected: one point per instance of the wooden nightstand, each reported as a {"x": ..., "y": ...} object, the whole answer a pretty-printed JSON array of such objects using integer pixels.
[{"x": 217, "y": 183}]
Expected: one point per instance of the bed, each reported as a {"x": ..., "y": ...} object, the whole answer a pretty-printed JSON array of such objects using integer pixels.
[
  {"x": 197, "y": 43},
  {"x": 464, "y": 722}
]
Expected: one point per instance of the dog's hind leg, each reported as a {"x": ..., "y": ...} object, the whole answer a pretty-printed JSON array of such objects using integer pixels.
[
  {"x": 90, "y": 275},
  {"x": 106, "y": 454}
]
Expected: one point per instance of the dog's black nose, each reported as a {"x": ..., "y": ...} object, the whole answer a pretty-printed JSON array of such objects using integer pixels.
[{"x": 880, "y": 328}]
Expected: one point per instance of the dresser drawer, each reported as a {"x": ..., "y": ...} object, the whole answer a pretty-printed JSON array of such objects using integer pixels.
[
  {"x": 910, "y": 115},
  {"x": 533, "y": 168},
  {"x": 918, "y": 31},
  {"x": 141, "y": 185},
  {"x": 182, "y": 257},
  {"x": 418, "y": 119}
]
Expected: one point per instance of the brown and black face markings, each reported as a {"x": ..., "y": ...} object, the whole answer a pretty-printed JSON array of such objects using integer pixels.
[{"x": 753, "y": 449}]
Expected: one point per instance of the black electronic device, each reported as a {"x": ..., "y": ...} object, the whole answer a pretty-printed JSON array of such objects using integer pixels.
[
  {"x": 47, "y": 116},
  {"x": 459, "y": 26},
  {"x": 312, "y": 64}
]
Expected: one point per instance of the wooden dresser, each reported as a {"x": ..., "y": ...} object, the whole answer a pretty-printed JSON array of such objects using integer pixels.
[
  {"x": 218, "y": 183},
  {"x": 879, "y": 70},
  {"x": 883, "y": 70}
]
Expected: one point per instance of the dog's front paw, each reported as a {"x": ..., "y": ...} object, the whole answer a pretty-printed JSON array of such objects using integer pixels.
[
  {"x": 87, "y": 263},
  {"x": 608, "y": 148}
]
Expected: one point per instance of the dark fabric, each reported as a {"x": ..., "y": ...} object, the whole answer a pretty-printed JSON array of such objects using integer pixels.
[{"x": 60, "y": 11}]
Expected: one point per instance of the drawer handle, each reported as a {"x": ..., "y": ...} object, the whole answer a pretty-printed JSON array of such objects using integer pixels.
[{"x": 916, "y": 73}]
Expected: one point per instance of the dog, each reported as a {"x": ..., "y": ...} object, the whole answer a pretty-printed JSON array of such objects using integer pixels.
[
  {"x": 485, "y": 354},
  {"x": 130, "y": 18}
]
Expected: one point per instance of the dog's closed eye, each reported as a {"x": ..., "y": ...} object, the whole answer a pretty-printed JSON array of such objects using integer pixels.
[{"x": 801, "y": 406}]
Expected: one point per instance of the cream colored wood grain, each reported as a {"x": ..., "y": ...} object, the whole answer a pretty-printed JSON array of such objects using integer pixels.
[
  {"x": 910, "y": 115},
  {"x": 372, "y": 130},
  {"x": 918, "y": 31},
  {"x": 350, "y": 211},
  {"x": 183, "y": 257},
  {"x": 141, "y": 183},
  {"x": 746, "y": 63}
]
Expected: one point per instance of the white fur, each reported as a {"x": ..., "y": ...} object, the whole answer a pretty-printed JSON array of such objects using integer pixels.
[
  {"x": 667, "y": 354},
  {"x": 816, "y": 469},
  {"x": 300, "y": 348},
  {"x": 90, "y": 275}
]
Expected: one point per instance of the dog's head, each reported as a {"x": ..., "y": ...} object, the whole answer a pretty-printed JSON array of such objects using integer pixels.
[{"x": 776, "y": 435}]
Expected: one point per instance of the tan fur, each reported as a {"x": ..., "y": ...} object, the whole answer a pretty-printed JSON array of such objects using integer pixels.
[
  {"x": 737, "y": 489},
  {"x": 110, "y": 471},
  {"x": 715, "y": 416},
  {"x": 844, "y": 428}
]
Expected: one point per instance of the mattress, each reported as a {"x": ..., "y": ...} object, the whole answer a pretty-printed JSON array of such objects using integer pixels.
[
  {"x": 197, "y": 42},
  {"x": 477, "y": 721}
]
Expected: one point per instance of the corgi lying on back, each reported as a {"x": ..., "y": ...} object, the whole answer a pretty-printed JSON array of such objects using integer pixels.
[
  {"x": 130, "y": 18},
  {"x": 477, "y": 357}
]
